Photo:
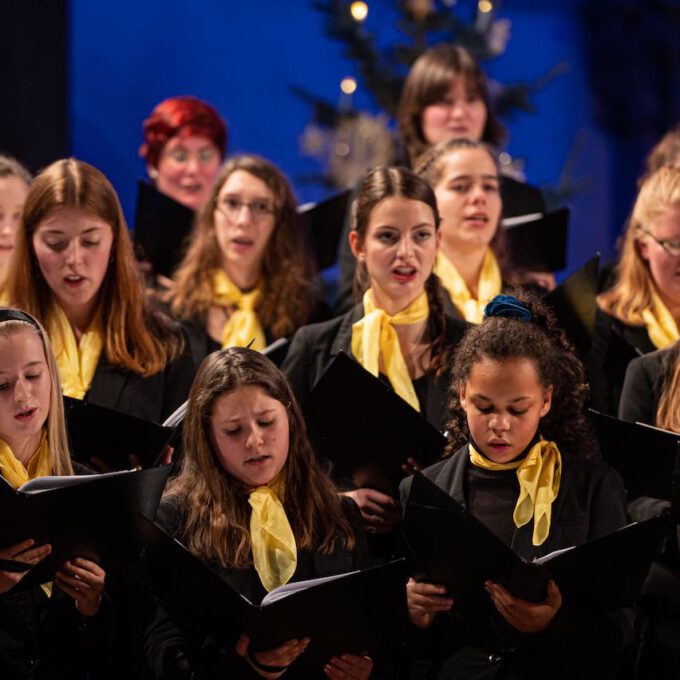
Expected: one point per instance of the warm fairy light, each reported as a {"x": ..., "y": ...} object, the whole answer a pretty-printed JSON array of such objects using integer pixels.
[
  {"x": 359, "y": 10},
  {"x": 484, "y": 6},
  {"x": 348, "y": 85}
]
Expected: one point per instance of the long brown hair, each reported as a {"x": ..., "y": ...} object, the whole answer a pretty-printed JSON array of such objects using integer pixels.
[
  {"x": 57, "y": 440},
  {"x": 381, "y": 183},
  {"x": 632, "y": 292},
  {"x": 136, "y": 337},
  {"x": 218, "y": 513},
  {"x": 668, "y": 412},
  {"x": 428, "y": 82},
  {"x": 288, "y": 286}
]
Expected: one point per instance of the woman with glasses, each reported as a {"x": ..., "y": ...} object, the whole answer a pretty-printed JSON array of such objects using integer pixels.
[
  {"x": 246, "y": 279},
  {"x": 641, "y": 311}
]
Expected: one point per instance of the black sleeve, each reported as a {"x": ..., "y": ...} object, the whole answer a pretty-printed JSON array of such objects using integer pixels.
[
  {"x": 637, "y": 396},
  {"x": 177, "y": 379},
  {"x": 297, "y": 366},
  {"x": 602, "y": 397}
]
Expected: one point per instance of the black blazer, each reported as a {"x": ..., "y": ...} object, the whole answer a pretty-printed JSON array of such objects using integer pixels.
[
  {"x": 152, "y": 398},
  {"x": 314, "y": 347},
  {"x": 164, "y": 636},
  {"x": 642, "y": 387},
  {"x": 590, "y": 504},
  {"x": 604, "y": 375}
]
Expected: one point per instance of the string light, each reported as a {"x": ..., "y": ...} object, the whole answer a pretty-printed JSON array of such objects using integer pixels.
[
  {"x": 348, "y": 85},
  {"x": 359, "y": 11},
  {"x": 484, "y": 6}
]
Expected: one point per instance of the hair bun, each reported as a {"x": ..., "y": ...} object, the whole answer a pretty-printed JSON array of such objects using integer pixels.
[{"x": 508, "y": 306}]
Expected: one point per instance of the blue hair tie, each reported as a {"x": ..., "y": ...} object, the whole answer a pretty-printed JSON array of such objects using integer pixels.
[{"x": 508, "y": 306}]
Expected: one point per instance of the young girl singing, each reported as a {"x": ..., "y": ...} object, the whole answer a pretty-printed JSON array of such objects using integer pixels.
[
  {"x": 249, "y": 482},
  {"x": 518, "y": 461},
  {"x": 51, "y": 630}
]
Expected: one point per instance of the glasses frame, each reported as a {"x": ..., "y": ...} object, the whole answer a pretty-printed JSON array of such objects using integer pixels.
[
  {"x": 255, "y": 214},
  {"x": 672, "y": 250}
]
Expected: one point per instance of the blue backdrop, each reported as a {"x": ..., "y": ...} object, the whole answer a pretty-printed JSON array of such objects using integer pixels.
[{"x": 244, "y": 57}]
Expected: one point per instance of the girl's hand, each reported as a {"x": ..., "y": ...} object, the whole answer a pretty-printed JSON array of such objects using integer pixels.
[
  {"x": 21, "y": 552},
  {"x": 282, "y": 657},
  {"x": 379, "y": 511},
  {"x": 527, "y": 617},
  {"x": 425, "y": 601},
  {"x": 83, "y": 581},
  {"x": 349, "y": 667}
]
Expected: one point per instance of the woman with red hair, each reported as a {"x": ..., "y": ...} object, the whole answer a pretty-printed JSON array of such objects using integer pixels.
[{"x": 185, "y": 140}]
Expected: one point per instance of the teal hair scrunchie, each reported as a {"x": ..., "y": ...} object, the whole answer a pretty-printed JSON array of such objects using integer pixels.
[{"x": 508, "y": 306}]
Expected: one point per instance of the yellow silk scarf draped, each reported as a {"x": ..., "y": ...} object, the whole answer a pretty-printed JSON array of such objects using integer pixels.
[
  {"x": 13, "y": 470},
  {"x": 490, "y": 285},
  {"x": 661, "y": 327},
  {"x": 243, "y": 326},
  {"x": 539, "y": 476},
  {"x": 374, "y": 337},
  {"x": 271, "y": 538},
  {"x": 76, "y": 361}
]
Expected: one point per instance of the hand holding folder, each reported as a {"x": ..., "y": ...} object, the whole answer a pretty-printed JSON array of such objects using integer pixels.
[
  {"x": 92, "y": 517},
  {"x": 452, "y": 548},
  {"x": 110, "y": 440},
  {"x": 360, "y": 612}
]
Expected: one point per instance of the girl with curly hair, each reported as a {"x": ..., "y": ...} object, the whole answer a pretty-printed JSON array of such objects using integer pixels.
[
  {"x": 251, "y": 501},
  {"x": 519, "y": 461},
  {"x": 246, "y": 278}
]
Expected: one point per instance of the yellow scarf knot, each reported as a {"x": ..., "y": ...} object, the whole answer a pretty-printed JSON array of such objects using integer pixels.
[
  {"x": 539, "y": 476},
  {"x": 13, "y": 470},
  {"x": 490, "y": 285},
  {"x": 661, "y": 326},
  {"x": 243, "y": 326},
  {"x": 271, "y": 537},
  {"x": 374, "y": 337},
  {"x": 76, "y": 361}
]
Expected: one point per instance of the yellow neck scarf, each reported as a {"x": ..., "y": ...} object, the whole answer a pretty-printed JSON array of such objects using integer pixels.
[
  {"x": 271, "y": 538},
  {"x": 374, "y": 336},
  {"x": 13, "y": 470},
  {"x": 243, "y": 325},
  {"x": 539, "y": 476},
  {"x": 661, "y": 326},
  {"x": 490, "y": 285},
  {"x": 76, "y": 361}
]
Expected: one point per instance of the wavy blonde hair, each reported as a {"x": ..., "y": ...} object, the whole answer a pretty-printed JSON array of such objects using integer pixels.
[
  {"x": 633, "y": 290},
  {"x": 136, "y": 337},
  {"x": 217, "y": 525},
  {"x": 56, "y": 428},
  {"x": 288, "y": 287}
]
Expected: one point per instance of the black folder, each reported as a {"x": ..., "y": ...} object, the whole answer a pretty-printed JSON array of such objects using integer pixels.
[
  {"x": 324, "y": 222},
  {"x": 647, "y": 458},
  {"x": 451, "y": 547},
  {"x": 100, "y": 432},
  {"x": 89, "y": 516},
  {"x": 360, "y": 423},
  {"x": 361, "y": 612},
  {"x": 161, "y": 229},
  {"x": 574, "y": 304},
  {"x": 538, "y": 241}
]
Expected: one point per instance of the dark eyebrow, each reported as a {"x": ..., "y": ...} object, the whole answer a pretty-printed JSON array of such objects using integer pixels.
[{"x": 484, "y": 398}]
